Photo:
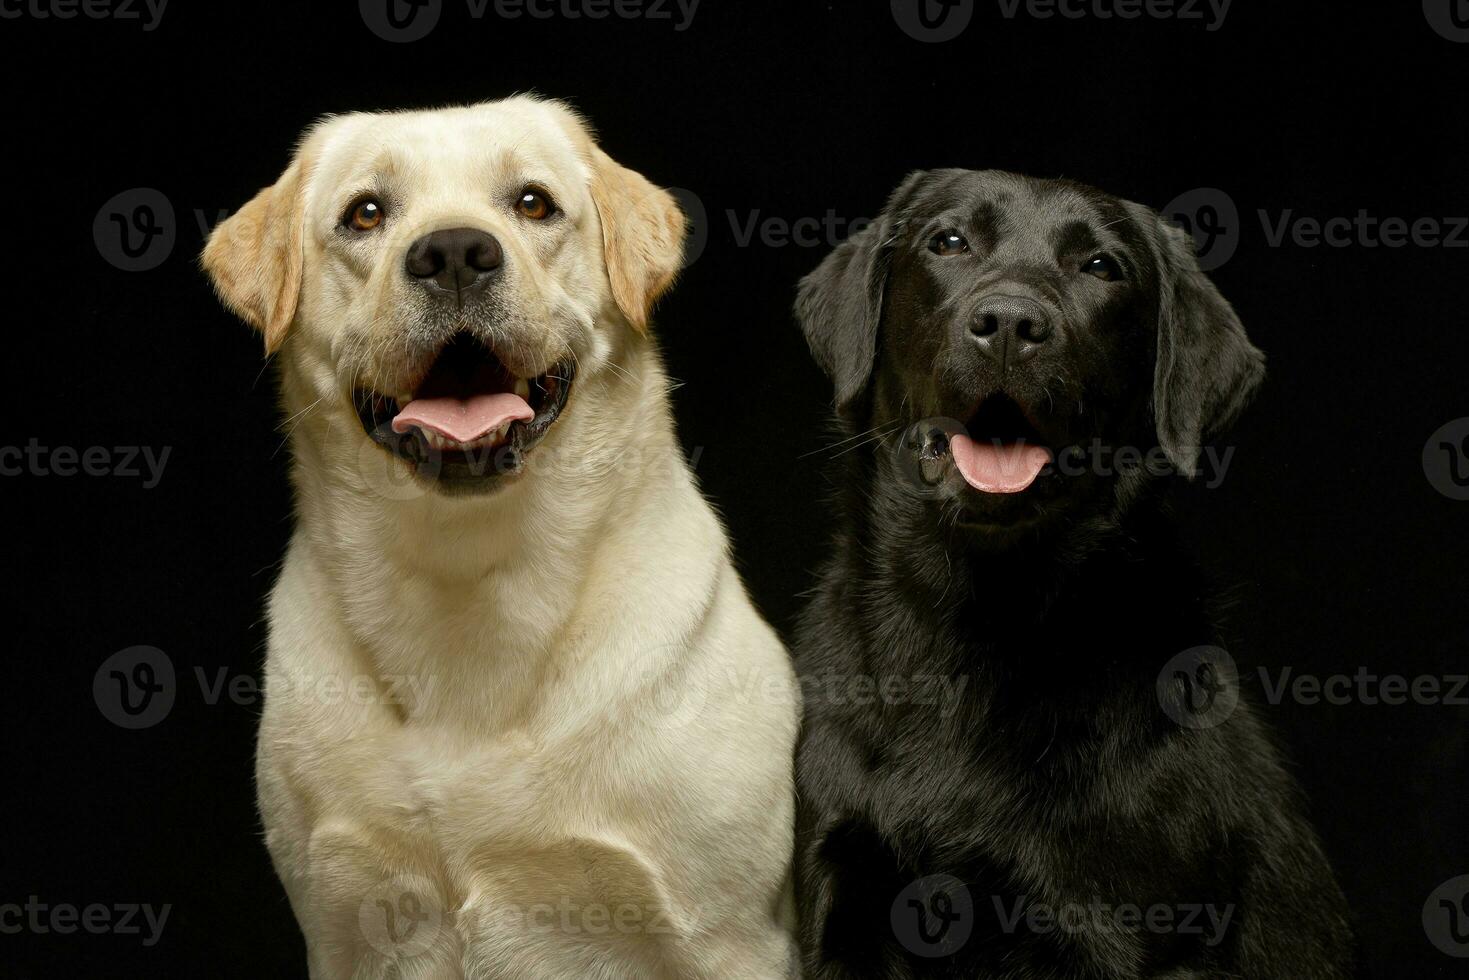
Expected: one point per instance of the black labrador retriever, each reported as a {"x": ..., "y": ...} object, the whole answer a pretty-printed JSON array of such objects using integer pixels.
[{"x": 1024, "y": 754}]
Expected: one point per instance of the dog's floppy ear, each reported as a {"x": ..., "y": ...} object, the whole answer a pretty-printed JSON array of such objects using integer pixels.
[
  {"x": 839, "y": 305},
  {"x": 642, "y": 233},
  {"x": 254, "y": 257},
  {"x": 1207, "y": 369}
]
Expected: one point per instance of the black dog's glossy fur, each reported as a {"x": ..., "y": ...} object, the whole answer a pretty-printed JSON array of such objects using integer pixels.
[{"x": 993, "y": 780}]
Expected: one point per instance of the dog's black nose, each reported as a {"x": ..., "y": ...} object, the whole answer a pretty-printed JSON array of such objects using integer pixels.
[
  {"x": 1010, "y": 329},
  {"x": 455, "y": 260}
]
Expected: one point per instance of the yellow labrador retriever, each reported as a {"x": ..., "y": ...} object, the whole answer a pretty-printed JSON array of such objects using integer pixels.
[{"x": 522, "y": 720}]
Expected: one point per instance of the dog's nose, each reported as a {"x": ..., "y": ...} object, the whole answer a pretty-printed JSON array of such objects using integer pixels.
[
  {"x": 1010, "y": 329},
  {"x": 455, "y": 259}
]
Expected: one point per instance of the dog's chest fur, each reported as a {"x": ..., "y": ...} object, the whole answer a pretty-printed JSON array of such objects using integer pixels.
[
  {"x": 468, "y": 790},
  {"x": 478, "y": 637},
  {"x": 504, "y": 768},
  {"x": 1037, "y": 783}
]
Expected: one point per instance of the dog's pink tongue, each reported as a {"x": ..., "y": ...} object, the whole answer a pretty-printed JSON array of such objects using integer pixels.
[
  {"x": 463, "y": 419},
  {"x": 991, "y": 468}
]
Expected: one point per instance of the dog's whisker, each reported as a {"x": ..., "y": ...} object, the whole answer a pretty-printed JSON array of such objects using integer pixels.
[
  {"x": 269, "y": 359},
  {"x": 298, "y": 418},
  {"x": 303, "y": 411},
  {"x": 621, "y": 371},
  {"x": 877, "y": 438},
  {"x": 843, "y": 442}
]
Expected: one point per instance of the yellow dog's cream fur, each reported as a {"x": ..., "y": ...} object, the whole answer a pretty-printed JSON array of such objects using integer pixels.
[{"x": 536, "y": 734}]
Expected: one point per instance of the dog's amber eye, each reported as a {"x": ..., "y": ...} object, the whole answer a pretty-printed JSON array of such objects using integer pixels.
[
  {"x": 365, "y": 215},
  {"x": 948, "y": 243},
  {"x": 535, "y": 205},
  {"x": 1104, "y": 267}
]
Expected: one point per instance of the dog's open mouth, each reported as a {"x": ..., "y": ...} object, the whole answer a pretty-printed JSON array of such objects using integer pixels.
[
  {"x": 470, "y": 416},
  {"x": 1003, "y": 452}
]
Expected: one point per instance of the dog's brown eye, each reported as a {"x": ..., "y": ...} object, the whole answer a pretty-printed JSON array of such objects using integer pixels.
[
  {"x": 535, "y": 206},
  {"x": 948, "y": 243},
  {"x": 365, "y": 215},
  {"x": 1104, "y": 267}
]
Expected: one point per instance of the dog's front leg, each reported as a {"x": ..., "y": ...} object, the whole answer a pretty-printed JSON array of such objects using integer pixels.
[
  {"x": 840, "y": 936},
  {"x": 371, "y": 913}
]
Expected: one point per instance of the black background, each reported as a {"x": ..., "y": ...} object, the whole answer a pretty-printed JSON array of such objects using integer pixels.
[{"x": 1341, "y": 551}]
